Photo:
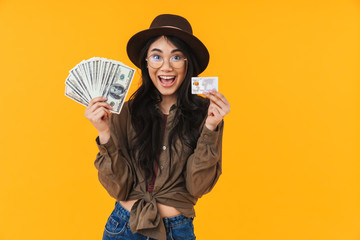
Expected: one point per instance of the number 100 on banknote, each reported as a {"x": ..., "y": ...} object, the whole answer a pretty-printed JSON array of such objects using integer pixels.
[{"x": 199, "y": 85}]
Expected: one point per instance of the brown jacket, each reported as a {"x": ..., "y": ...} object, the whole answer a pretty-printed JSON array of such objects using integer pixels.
[{"x": 192, "y": 174}]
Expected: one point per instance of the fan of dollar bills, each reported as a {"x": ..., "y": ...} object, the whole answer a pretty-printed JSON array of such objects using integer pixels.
[{"x": 99, "y": 77}]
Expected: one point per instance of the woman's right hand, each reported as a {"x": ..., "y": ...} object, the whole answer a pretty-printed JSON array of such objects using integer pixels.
[{"x": 98, "y": 113}]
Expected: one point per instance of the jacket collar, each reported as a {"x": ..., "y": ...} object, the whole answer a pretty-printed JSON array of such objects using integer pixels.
[{"x": 172, "y": 108}]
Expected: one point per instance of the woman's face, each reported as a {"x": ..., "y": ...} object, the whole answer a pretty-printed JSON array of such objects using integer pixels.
[{"x": 166, "y": 79}]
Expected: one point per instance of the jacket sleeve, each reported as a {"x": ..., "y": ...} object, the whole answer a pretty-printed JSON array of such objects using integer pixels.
[
  {"x": 203, "y": 167},
  {"x": 113, "y": 160}
]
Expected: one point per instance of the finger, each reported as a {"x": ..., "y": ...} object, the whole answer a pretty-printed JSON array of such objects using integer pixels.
[
  {"x": 214, "y": 99},
  {"x": 210, "y": 110},
  {"x": 221, "y": 111},
  {"x": 214, "y": 103},
  {"x": 108, "y": 114},
  {"x": 220, "y": 96},
  {"x": 218, "y": 114},
  {"x": 98, "y": 105},
  {"x": 101, "y": 109},
  {"x": 225, "y": 106},
  {"x": 97, "y": 115},
  {"x": 100, "y": 113},
  {"x": 95, "y": 100}
]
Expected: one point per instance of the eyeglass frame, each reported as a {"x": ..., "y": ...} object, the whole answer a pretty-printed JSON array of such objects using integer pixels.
[{"x": 170, "y": 63}]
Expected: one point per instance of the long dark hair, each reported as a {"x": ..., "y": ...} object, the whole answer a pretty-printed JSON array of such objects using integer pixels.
[{"x": 147, "y": 120}]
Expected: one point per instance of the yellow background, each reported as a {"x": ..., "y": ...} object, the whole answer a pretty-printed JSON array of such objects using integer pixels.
[{"x": 290, "y": 70}]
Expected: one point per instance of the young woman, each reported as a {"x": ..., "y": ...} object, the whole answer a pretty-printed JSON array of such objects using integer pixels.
[{"x": 163, "y": 151}]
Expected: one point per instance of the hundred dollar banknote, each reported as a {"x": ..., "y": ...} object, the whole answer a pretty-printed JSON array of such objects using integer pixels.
[
  {"x": 199, "y": 85},
  {"x": 97, "y": 77}
]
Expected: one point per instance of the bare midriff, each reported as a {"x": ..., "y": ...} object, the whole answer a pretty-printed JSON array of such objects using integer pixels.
[{"x": 165, "y": 211}]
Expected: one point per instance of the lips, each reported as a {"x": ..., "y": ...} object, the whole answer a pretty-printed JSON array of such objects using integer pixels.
[{"x": 167, "y": 81}]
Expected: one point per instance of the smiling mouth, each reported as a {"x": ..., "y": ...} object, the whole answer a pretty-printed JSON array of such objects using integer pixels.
[{"x": 167, "y": 81}]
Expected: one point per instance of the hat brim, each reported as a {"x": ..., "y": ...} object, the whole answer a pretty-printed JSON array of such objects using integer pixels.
[{"x": 137, "y": 42}]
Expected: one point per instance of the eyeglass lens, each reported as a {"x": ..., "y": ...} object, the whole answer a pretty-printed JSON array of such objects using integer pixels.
[{"x": 156, "y": 61}]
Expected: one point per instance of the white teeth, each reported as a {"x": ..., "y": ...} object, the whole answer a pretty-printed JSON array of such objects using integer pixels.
[{"x": 166, "y": 77}]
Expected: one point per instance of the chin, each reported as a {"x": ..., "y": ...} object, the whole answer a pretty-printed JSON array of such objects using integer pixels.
[{"x": 167, "y": 92}]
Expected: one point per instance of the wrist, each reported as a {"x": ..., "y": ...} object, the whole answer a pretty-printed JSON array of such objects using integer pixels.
[
  {"x": 104, "y": 136},
  {"x": 211, "y": 126}
]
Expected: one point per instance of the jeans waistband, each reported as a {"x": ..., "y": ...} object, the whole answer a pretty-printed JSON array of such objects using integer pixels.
[
  {"x": 121, "y": 211},
  {"x": 168, "y": 221}
]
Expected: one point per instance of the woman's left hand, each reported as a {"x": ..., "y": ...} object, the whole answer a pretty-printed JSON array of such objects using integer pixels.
[{"x": 218, "y": 108}]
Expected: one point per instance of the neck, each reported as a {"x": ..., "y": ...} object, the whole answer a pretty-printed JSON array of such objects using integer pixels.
[{"x": 166, "y": 103}]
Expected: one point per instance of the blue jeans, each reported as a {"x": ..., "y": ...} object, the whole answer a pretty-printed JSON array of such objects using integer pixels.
[{"x": 117, "y": 227}]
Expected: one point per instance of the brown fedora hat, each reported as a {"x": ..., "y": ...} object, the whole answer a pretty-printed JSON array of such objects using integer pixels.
[{"x": 171, "y": 25}]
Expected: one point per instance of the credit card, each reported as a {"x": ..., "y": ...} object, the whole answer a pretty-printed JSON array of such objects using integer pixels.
[{"x": 199, "y": 85}]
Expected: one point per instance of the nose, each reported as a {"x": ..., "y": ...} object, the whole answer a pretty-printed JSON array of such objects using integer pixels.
[{"x": 166, "y": 65}]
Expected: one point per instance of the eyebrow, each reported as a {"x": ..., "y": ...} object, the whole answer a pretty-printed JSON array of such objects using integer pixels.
[{"x": 158, "y": 50}]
